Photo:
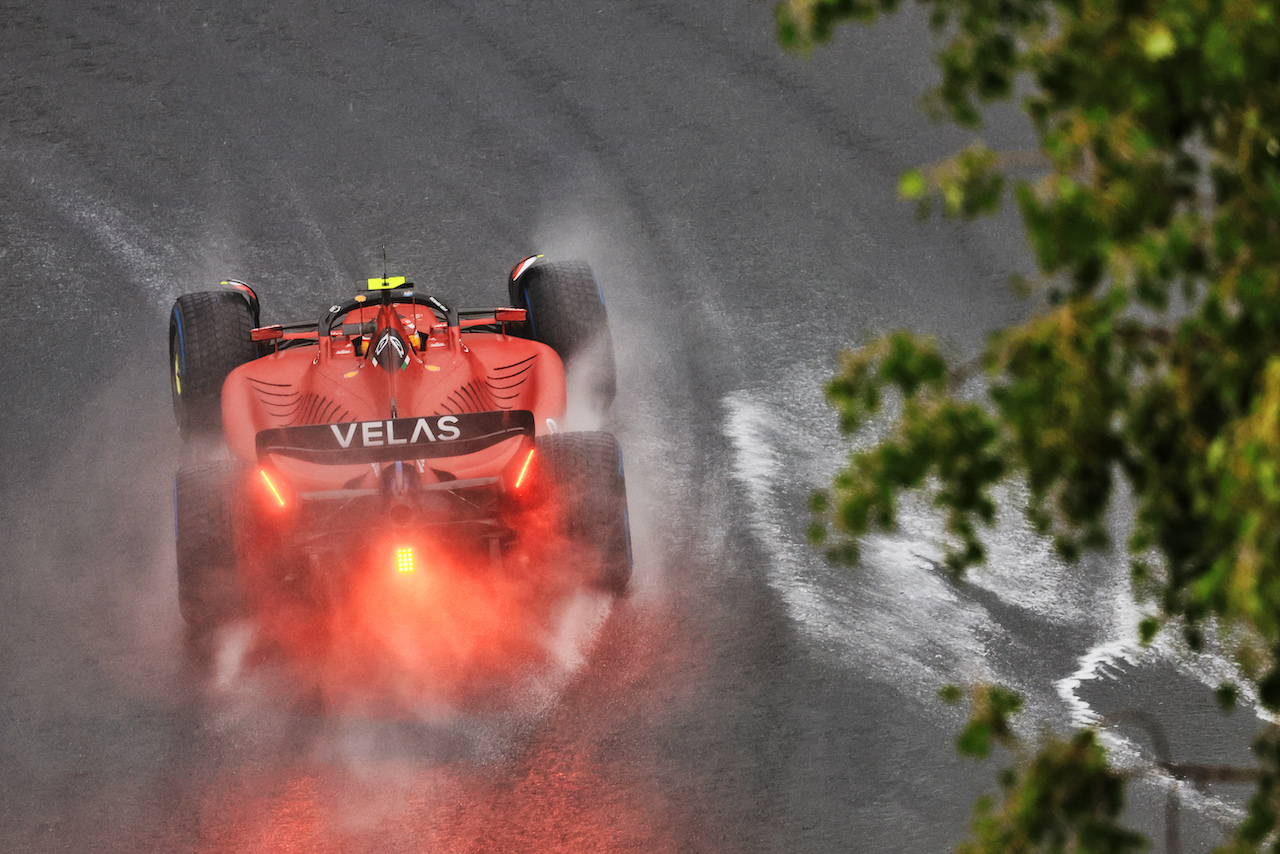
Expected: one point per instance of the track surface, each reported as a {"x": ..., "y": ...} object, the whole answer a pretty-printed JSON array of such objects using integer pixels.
[{"x": 738, "y": 206}]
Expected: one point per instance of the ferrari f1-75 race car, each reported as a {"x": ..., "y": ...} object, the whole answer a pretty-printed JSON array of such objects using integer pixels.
[{"x": 392, "y": 436}]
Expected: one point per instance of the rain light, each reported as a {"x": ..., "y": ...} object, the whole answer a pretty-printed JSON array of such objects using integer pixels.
[
  {"x": 524, "y": 469},
  {"x": 271, "y": 486},
  {"x": 404, "y": 559}
]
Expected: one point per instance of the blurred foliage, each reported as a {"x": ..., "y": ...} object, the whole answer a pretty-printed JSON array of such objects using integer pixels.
[
  {"x": 1152, "y": 209},
  {"x": 992, "y": 706},
  {"x": 1065, "y": 798}
]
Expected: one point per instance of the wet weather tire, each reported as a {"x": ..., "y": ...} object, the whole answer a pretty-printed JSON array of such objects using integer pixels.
[
  {"x": 209, "y": 589},
  {"x": 566, "y": 312},
  {"x": 209, "y": 336},
  {"x": 584, "y": 472}
]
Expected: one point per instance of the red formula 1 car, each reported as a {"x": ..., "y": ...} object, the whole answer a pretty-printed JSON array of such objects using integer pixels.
[{"x": 397, "y": 435}]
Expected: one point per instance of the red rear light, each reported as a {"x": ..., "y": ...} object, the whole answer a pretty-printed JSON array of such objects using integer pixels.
[
  {"x": 275, "y": 494},
  {"x": 405, "y": 559},
  {"x": 523, "y": 472}
]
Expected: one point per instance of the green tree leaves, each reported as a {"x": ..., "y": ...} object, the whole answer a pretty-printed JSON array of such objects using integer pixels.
[
  {"x": 1152, "y": 209},
  {"x": 951, "y": 441},
  {"x": 992, "y": 707},
  {"x": 1065, "y": 799},
  {"x": 1155, "y": 224}
]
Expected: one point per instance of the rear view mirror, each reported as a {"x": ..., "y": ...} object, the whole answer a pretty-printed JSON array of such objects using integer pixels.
[
  {"x": 510, "y": 315},
  {"x": 267, "y": 333}
]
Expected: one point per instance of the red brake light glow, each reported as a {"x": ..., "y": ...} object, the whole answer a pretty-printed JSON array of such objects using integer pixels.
[
  {"x": 275, "y": 493},
  {"x": 404, "y": 559},
  {"x": 524, "y": 469}
]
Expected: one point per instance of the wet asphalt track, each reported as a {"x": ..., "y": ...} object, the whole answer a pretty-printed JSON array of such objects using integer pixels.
[{"x": 738, "y": 207}]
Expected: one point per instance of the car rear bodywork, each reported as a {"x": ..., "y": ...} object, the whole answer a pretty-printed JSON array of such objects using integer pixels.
[{"x": 395, "y": 434}]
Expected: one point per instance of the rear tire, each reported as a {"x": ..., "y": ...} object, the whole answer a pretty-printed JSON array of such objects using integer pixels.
[
  {"x": 210, "y": 334},
  {"x": 584, "y": 472},
  {"x": 566, "y": 312},
  {"x": 209, "y": 589}
]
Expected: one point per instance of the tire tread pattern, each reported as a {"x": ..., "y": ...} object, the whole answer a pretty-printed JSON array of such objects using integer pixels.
[
  {"x": 586, "y": 470},
  {"x": 567, "y": 313},
  {"x": 210, "y": 335},
  {"x": 208, "y": 579}
]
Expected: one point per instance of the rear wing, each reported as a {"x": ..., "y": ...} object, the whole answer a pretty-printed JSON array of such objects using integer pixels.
[{"x": 394, "y": 439}]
